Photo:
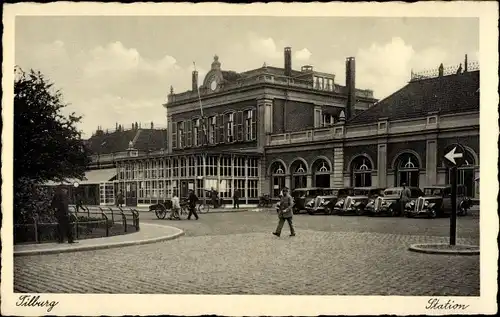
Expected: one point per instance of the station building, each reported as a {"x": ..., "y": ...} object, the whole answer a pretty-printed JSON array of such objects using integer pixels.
[{"x": 260, "y": 130}]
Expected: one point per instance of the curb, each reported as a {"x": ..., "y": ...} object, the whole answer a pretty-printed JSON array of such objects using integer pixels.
[
  {"x": 423, "y": 248},
  {"x": 105, "y": 246}
]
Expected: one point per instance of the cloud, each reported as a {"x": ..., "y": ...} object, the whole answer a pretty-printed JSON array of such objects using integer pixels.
[
  {"x": 386, "y": 67},
  {"x": 110, "y": 83},
  {"x": 303, "y": 55}
]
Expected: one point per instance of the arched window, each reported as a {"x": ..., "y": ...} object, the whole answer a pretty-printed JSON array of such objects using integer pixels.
[
  {"x": 299, "y": 171},
  {"x": 361, "y": 168},
  {"x": 321, "y": 169},
  {"x": 278, "y": 178},
  {"x": 465, "y": 174},
  {"x": 407, "y": 170}
]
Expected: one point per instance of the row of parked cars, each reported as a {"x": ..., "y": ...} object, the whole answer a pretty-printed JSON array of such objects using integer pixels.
[{"x": 431, "y": 201}]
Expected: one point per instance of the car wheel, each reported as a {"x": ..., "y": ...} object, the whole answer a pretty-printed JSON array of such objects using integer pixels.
[
  {"x": 359, "y": 211},
  {"x": 391, "y": 212},
  {"x": 432, "y": 214}
]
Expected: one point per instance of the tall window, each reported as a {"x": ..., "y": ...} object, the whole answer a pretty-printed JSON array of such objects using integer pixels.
[
  {"x": 361, "y": 172},
  {"x": 189, "y": 133},
  {"x": 212, "y": 129},
  {"x": 278, "y": 178},
  {"x": 250, "y": 125},
  {"x": 465, "y": 174},
  {"x": 321, "y": 170},
  {"x": 299, "y": 178},
  {"x": 328, "y": 120},
  {"x": 240, "y": 134},
  {"x": 196, "y": 132},
  {"x": 407, "y": 170},
  {"x": 230, "y": 127},
  {"x": 180, "y": 129}
]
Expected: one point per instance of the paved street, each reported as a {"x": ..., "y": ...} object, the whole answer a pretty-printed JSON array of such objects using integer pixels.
[{"x": 235, "y": 253}]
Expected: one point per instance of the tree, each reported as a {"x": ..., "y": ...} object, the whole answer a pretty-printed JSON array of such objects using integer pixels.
[{"x": 47, "y": 144}]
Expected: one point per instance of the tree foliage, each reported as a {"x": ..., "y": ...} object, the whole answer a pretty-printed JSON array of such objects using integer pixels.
[{"x": 47, "y": 144}]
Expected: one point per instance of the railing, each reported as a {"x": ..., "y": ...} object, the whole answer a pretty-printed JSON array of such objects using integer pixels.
[
  {"x": 92, "y": 222},
  {"x": 448, "y": 70}
]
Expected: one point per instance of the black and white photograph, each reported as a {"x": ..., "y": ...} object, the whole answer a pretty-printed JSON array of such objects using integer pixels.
[{"x": 325, "y": 160}]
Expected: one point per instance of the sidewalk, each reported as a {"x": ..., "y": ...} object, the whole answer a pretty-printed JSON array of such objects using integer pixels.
[{"x": 149, "y": 233}]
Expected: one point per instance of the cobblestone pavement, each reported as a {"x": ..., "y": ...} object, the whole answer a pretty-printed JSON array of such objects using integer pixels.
[{"x": 236, "y": 254}]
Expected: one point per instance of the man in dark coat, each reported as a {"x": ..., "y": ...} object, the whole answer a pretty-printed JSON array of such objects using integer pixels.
[
  {"x": 236, "y": 199},
  {"x": 285, "y": 213},
  {"x": 192, "y": 200},
  {"x": 119, "y": 199},
  {"x": 213, "y": 196},
  {"x": 60, "y": 203}
]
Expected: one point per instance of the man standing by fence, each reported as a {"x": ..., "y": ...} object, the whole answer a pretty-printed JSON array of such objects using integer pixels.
[{"x": 60, "y": 203}]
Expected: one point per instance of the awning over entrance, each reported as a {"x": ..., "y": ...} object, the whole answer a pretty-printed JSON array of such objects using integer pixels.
[{"x": 91, "y": 177}]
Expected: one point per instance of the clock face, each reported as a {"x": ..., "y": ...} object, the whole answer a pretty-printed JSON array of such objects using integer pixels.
[{"x": 213, "y": 85}]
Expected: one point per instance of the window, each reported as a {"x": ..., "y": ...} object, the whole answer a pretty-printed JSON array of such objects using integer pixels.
[
  {"x": 220, "y": 123},
  {"x": 299, "y": 174},
  {"x": 183, "y": 167},
  {"x": 239, "y": 167},
  {"x": 361, "y": 172},
  {"x": 225, "y": 166},
  {"x": 180, "y": 130},
  {"x": 239, "y": 126},
  {"x": 250, "y": 125},
  {"x": 189, "y": 133},
  {"x": 407, "y": 170},
  {"x": 211, "y": 166},
  {"x": 253, "y": 189},
  {"x": 196, "y": 132},
  {"x": 229, "y": 127},
  {"x": 318, "y": 118},
  {"x": 328, "y": 120},
  {"x": 321, "y": 170},
  {"x": 174, "y": 135},
  {"x": 212, "y": 130},
  {"x": 253, "y": 167},
  {"x": 278, "y": 178},
  {"x": 199, "y": 166},
  {"x": 175, "y": 167}
]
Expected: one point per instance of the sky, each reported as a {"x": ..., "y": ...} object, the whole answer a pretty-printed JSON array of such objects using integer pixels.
[{"x": 119, "y": 69}]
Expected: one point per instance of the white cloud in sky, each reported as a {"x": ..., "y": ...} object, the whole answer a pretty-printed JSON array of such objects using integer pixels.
[{"x": 303, "y": 55}]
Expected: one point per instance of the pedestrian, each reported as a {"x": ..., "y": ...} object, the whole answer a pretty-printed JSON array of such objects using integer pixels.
[
  {"x": 119, "y": 199},
  {"x": 285, "y": 213},
  {"x": 79, "y": 203},
  {"x": 405, "y": 197},
  {"x": 60, "y": 202},
  {"x": 236, "y": 199},
  {"x": 176, "y": 207},
  {"x": 213, "y": 196},
  {"x": 192, "y": 200}
]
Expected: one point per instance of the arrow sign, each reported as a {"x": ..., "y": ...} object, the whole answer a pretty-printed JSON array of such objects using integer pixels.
[{"x": 454, "y": 155}]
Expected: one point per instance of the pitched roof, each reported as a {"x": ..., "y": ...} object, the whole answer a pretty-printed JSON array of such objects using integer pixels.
[
  {"x": 118, "y": 141},
  {"x": 151, "y": 139},
  {"x": 445, "y": 95}
]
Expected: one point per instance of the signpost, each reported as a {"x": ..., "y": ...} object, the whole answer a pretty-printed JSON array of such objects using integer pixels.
[{"x": 454, "y": 157}]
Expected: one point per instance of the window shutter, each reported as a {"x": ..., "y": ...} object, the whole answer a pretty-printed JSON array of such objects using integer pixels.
[
  {"x": 225, "y": 129},
  {"x": 189, "y": 133},
  {"x": 183, "y": 141},
  {"x": 174, "y": 135},
  {"x": 239, "y": 129},
  {"x": 254, "y": 125}
]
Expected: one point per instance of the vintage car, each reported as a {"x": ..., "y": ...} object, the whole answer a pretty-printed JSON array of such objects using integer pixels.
[
  {"x": 301, "y": 196},
  {"x": 390, "y": 203},
  {"x": 325, "y": 203},
  {"x": 356, "y": 202},
  {"x": 436, "y": 202}
]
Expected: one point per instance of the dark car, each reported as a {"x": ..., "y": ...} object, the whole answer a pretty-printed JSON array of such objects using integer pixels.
[
  {"x": 390, "y": 203},
  {"x": 325, "y": 202},
  {"x": 358, "y": 200},
  {"x": 436, "y": 202},
  {"x": 301, "y": 196}
]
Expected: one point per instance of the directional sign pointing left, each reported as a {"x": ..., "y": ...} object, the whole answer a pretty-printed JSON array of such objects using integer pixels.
[
  {"x": 451, "y": 156},
  {"x": 454, "y": 155}
]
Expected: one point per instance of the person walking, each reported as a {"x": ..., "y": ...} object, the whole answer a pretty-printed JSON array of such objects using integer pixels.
[
  {"x": 285, "y": 213},
  {"x": 236, "y": 199},
  {"x": 119, "y": 199},
  {"x": 60, "y": 202},
  {"x": 405, "y": 197},
  {"x": 213, "y": 196},
  {"x": 79, "y": 203},
  {"x": 176, "y": 207},
  {"x": 192, "y": 200}
]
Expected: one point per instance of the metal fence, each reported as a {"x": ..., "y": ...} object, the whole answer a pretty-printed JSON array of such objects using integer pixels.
[{"x": 93, "y": 222}]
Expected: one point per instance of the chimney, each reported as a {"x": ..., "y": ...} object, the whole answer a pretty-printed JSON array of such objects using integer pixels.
[
  {"x": 194, "y": 80},
  {"x": 288, "y": 61},
  {"x": 441, "y": 70},
  {"x": 465, "y": 64},
  {"x": 350, "y": 82}
]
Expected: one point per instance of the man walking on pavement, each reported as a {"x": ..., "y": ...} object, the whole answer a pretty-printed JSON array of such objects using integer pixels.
[
  {"x": 60, "y": 202},
  {"x": 236, "y": 199},
  {"x": 192, "y": 200},
  {"x": 285, "y": 213}
]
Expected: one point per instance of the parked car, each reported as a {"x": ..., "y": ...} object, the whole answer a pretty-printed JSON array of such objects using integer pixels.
[
  {"x": 358, "y": 200},
  {"x": 301, "y": 196},
  {"x": 436, "y": 202},
  {"x": 390, "y": 203},
  {"x": 325, "y": 202}
]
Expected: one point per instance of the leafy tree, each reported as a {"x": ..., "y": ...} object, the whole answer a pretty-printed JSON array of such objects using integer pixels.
[{"x": 47, "y": 144}]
